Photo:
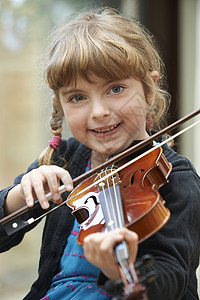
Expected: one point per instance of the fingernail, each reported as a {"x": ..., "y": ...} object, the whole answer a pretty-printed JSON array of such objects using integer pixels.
[
  {"x": 29, "y": 203},
  {"x": 45, "y": 204},
  {"x": 56, "y": 197},
  {"x": 69, "y": 187}
]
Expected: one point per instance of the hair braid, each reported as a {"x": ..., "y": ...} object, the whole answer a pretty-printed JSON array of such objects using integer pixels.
[{"x": 56, "y": 121}]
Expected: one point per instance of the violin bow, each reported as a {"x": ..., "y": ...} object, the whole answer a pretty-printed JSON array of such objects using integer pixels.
[{"x": 14, "y": 222}]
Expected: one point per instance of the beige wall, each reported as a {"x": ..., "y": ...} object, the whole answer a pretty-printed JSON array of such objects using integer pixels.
[
  {"x": 21, "y": 141},
  {"x": 21, "y": 122},
  {"x": 23, "y": 135}
]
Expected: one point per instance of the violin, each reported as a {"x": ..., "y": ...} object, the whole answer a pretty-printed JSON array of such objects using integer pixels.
[
  {"x": 125, "y": 197},
  {"x": 123, "y": 194}
]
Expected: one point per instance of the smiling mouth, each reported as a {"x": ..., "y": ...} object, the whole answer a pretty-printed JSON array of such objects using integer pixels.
[{"x": 103, "y": 130}]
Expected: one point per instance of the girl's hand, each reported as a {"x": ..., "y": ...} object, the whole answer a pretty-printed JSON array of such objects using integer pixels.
[
  {"x": 98, "y": 249},
  {"x": 40, "y": 181}
]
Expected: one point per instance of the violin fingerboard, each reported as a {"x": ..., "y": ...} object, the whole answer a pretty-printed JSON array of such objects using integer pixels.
[{"x": 111, "y": 204}]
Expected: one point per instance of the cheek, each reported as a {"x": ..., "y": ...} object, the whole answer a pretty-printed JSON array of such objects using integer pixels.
[
  {"x": 134, "y": 112},
  {"x": 71, "y": 121},
  {"x": 76, "y": 120}
]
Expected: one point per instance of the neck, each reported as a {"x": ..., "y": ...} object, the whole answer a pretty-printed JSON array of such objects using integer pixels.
[{"x": 97, "y": 159}]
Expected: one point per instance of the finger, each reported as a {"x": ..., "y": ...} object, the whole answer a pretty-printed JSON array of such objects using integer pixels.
[
  {"x": 37, "y": 180},
  {"x": 66, "y": 179},
  {"x": 53, "y": 172},
  {"x": 129, "y": 235},
  {"x": 116, "y": 237},
  {"x": 131, "y": 238},
  {"x": 125, "y": 234},
  {"x": 111, "y": 239},
  {"x": 26, "y": 191},
  {"x": 99, "y": 246},
  {"x": 52, "y": 182}
]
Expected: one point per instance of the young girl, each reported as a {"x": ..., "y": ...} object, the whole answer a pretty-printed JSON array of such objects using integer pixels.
[{"x": 106, "y": 78}]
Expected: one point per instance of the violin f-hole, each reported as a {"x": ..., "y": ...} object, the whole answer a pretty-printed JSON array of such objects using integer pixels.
[
  {"x": 133, "y": 176},
  {"x": 94, "y": 199}
]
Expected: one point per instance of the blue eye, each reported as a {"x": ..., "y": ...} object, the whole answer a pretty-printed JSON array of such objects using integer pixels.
[
  {"x": 77, "y": 98},
  {"x": 116, "y": 89}
]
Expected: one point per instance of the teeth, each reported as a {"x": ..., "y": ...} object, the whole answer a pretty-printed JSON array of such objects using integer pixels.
[{"x": 107, "y": 129}]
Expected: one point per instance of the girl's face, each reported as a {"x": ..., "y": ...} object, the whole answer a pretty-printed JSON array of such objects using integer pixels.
[{"x": 106, "y": 116}]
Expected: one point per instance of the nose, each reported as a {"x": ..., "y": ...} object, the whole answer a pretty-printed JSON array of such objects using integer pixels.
[{"x": 99, "y": 109}]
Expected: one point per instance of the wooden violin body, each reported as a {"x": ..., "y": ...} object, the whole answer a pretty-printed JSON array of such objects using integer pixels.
[{"x": 143, "y": 207}]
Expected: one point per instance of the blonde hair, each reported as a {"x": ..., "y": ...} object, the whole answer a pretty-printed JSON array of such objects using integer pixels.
[{"x": 104, "y": 43}]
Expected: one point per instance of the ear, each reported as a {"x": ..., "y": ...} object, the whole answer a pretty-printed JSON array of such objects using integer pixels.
[
  {"x": 154, "y": 75},
  {"x": 57, "y": 104}
]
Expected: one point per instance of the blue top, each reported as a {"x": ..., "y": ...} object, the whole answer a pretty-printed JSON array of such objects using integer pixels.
[{"x": 77, "y": 277}]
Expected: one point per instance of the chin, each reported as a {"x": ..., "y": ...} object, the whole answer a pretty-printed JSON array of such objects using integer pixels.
[{"x": 111, "y": 152}]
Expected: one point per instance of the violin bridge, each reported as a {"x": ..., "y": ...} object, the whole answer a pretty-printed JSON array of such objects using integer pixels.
[{"x": 107, "y": 178}]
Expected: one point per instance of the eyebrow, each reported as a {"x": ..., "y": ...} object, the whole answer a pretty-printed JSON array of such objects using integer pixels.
[{"x": 69, "y": 91}]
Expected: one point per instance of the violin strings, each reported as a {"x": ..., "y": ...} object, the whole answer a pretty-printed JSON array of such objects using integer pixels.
[
  {"x": 108, "y": 204},
  {"x": 158, "y": 145},
  {"x": 118, "y": 211},
  {"x": 105, "y": 197},
  {"x": 112, "y": 203}
]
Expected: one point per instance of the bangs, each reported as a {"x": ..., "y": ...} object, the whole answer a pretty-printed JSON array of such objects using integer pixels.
[{"x": 92, "y": 50}]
